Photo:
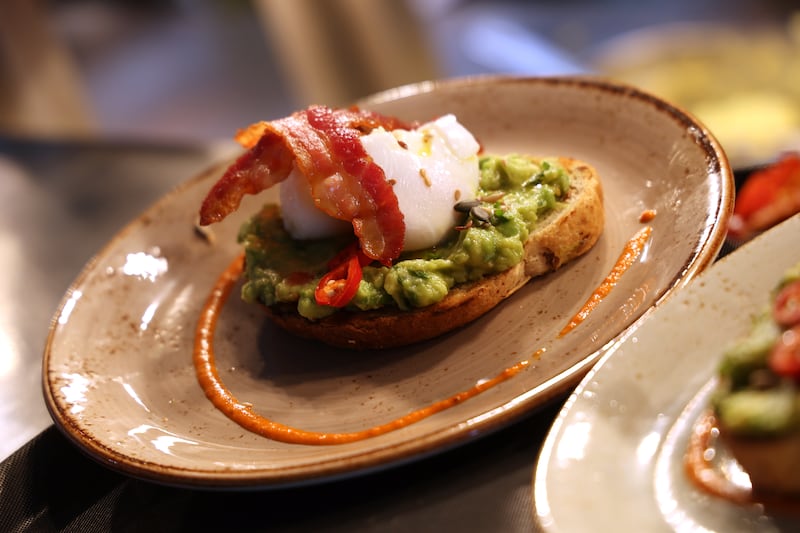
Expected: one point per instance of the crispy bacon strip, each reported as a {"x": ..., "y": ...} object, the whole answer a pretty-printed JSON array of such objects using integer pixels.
[{"x": 325, "y": 146}]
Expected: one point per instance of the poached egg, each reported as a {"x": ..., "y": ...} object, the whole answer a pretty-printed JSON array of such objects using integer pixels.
[{"x": 430, "y": 168}]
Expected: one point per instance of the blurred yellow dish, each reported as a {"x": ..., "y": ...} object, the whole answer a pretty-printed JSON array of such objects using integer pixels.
[
  {"x": 752, "y": 126},
  {"x": 743, "y": 84}
]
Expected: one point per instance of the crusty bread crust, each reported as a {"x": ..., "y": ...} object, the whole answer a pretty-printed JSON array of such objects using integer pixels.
[
  {"x": 771, "y": 463},
  {"x": 561, "y": 237}
]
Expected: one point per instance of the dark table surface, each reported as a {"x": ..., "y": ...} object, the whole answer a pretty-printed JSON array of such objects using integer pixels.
[{"x": 62, "y": 201}]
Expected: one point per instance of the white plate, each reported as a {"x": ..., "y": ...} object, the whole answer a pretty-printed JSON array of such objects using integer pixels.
[
  {"x": 613, "y": 459},
  {"x": 118, "y": 376}
]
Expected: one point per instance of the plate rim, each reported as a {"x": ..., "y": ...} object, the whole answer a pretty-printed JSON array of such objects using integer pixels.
[
  {"x": 442, "y": 439},
  {"x": 541, "y": 508}
]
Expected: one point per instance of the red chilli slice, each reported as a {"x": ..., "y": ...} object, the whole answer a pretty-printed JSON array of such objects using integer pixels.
[{"x": 340, "y": 284}]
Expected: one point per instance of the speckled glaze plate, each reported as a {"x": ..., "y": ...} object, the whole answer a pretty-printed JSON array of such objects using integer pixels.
[
  {"x": 118, "y": 373},
  {"x": 615, "y": 451}
]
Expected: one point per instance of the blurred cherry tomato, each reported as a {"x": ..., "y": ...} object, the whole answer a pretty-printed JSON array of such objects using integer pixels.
[
  {"x": 767, "y": 197},
  {"x": 784, "y": 359},
  {"x": 786, "y": 309}
]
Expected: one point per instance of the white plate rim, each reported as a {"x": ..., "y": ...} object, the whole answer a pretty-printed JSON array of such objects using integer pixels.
[
  {"x": 661, "y": 478},
  {"x": 442, "y": 440}
]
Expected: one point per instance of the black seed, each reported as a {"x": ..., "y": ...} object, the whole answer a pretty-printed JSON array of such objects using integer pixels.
[
  {"x": 480, "y": 213},
  {"x": 466, "y": 206}
]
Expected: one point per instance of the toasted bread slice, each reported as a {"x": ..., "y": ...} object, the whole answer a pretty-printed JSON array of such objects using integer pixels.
[
  {"x": 771, "y": 463},
  {"x": 562, "y": 236}
]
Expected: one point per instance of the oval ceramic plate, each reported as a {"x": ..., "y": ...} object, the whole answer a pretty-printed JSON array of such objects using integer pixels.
[
  {"x": 118, "y": 374},
  {"x": 616, "y": 449}
]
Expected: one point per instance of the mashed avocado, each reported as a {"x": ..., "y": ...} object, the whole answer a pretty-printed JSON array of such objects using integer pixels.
[
  {"x": 515, "y": 192},
  {"x": 751, "y": 399}
]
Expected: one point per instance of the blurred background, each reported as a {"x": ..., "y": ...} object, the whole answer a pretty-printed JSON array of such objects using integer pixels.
[
  {"x": 106, "y": 105},
  {"x": 195, "y": 71}
]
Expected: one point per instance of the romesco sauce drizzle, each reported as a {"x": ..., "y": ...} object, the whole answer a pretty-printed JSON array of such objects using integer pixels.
[
  {"x": 700, "y": 468},
  {"x": 242, "y": 413},
  {"x": 631, "y": 252},
  {"x": 709, "y": 477}
]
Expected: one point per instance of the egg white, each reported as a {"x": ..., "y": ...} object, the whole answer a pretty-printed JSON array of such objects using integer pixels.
[
  {"x": 301, "y": 217},
  {"x": 431, "y": 168}
]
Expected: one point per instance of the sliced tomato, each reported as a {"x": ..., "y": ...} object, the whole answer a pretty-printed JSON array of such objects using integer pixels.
[
  {"x": 784, "y": 359},
  {"x": 763, "y": 186},
  {"x": 786, "y": 309},
  {"x": 767, "y": 197},
  {"x": 340, "y": 284}
]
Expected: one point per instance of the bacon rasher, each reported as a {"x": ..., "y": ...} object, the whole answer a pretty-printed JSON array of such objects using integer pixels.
[{"x": 325, "y": 146}]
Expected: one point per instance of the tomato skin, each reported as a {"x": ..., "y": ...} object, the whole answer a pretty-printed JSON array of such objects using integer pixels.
[
  {"x": 786, "y": 309},
  {"x": 768, "y": 196},
  {"x": 764, "y": 185},
  {"x": 784, "y": 360}
]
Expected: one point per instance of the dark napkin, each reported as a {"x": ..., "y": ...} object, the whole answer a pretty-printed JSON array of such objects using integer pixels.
[{"x": 485, "y": 485}]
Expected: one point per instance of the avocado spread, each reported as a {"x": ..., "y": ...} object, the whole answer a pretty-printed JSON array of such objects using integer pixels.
[
  {"x": 752, "y": 398},
  {"x": 514, "y": 193}
]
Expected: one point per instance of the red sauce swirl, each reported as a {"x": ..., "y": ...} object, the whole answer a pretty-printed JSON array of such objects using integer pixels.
[
  {"x": 700, "y": 468},
  {"x": 709, "y": 477},
  {"x": 631, "y": 252},
  {"x": 242, "y": 413}
]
